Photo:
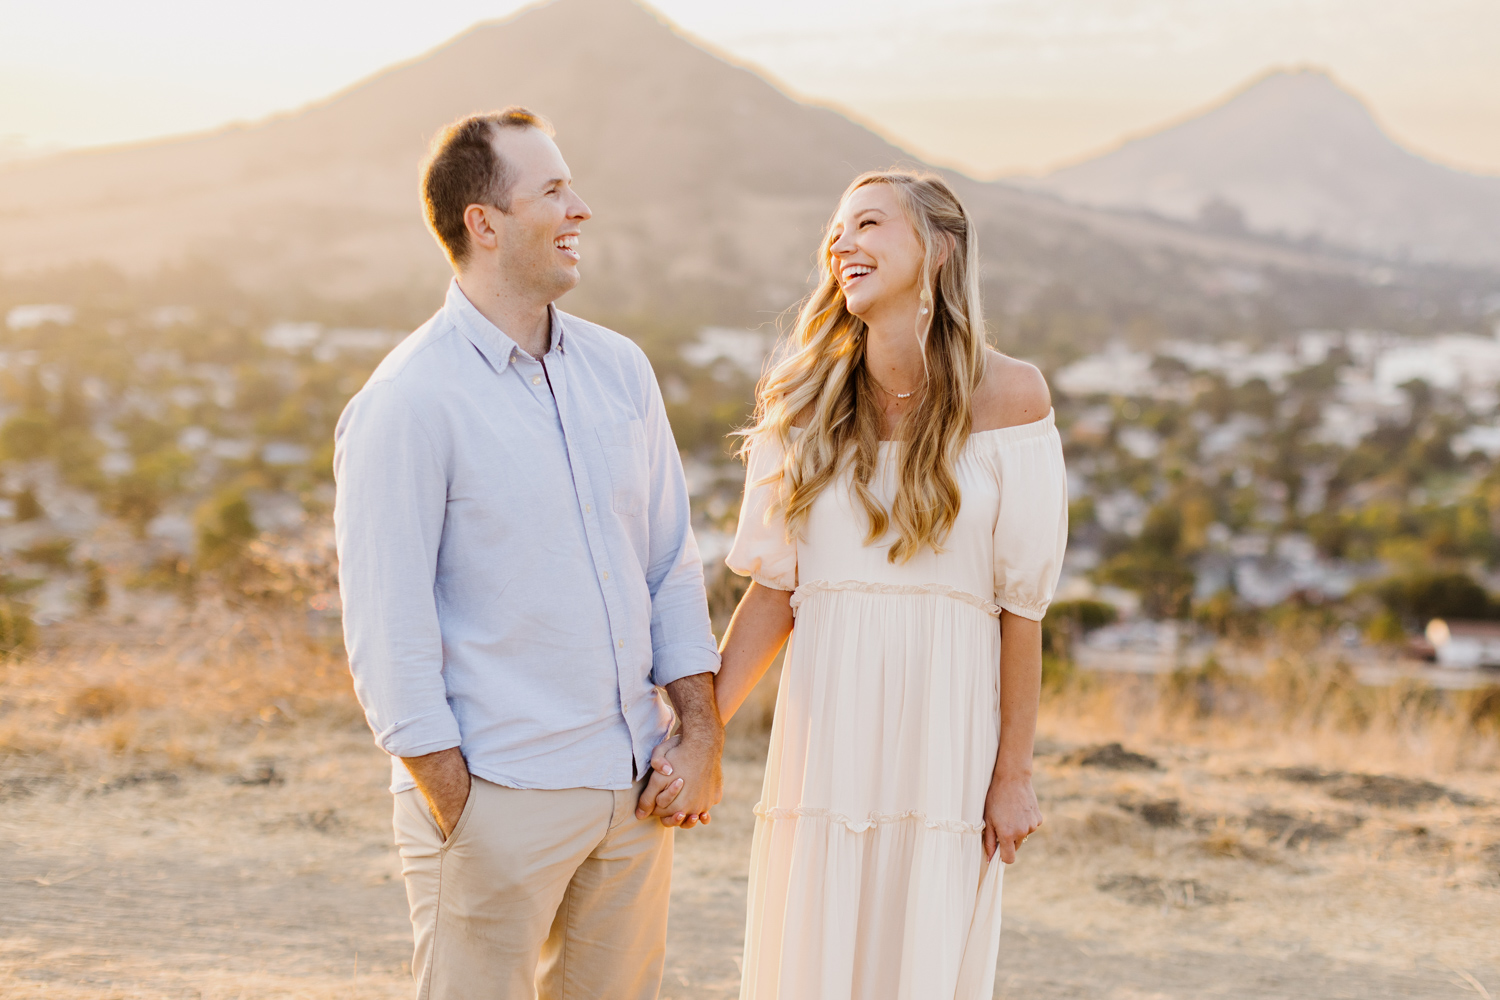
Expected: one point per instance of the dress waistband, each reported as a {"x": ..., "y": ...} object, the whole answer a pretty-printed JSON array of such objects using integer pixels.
[{"x": 940, "y": 589}]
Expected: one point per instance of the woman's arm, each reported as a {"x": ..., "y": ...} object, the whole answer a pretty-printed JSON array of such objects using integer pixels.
[
  {"x": 756, "y": 634},
  {"x": 1011, "y": 812}
]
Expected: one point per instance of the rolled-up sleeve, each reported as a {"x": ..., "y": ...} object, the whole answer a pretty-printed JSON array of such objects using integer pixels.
[
  {"x": 388, "y": 525},
  {"x": 682, "y": 640}
]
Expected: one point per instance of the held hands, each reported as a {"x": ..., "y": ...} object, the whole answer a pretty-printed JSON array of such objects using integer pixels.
[
  {"x": 1011, "y": 814},
  {"x": 686, "y": 781}
]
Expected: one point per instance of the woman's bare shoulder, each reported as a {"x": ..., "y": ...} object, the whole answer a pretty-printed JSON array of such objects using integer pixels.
[{"x": 1011, "y": 393}]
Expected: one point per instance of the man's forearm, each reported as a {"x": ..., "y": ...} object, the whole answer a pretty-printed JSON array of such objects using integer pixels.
[
  {"x": 443, "y": 780},
  {"x": 696, "y": 760},
  {"x": 693, "y": 697}
]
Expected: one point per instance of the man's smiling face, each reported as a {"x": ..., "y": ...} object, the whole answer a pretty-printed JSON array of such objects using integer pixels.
[{"x": 538, "y": 237}]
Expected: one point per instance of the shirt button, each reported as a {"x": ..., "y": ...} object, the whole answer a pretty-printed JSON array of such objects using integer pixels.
[
  {"x": 588, "y": 508},
  {"x": 621, "y": 644},
  {"x": 606, "y": 574},
  {"x": 536, "y": 380}
]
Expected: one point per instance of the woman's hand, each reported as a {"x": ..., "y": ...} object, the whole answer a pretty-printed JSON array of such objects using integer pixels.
[
  {"x": 663, "y": 794},
  {"x": 1011, "y": 814}
]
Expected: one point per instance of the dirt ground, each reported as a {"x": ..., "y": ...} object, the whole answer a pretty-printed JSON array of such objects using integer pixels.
[
  {"x": 1204, "y": 876},
  {"x": 203, "y": 815}
]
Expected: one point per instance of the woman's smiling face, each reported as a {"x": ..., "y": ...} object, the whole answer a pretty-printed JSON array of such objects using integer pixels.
[{"x": 876, "y": 255}]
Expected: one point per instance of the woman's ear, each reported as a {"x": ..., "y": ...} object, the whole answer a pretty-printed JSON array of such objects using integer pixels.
[{"x": 945, "y": 249}]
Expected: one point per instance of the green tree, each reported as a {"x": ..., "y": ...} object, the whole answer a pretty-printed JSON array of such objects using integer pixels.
[
  {"x": 28, "y": 508},
  {"x": 16, "y": 628},
  {"x": 96, "y": 593},
  {"x": 27, "y": 436},
  {"x": 1426, "y": 595},
  {"x": 225, "y": 527}
]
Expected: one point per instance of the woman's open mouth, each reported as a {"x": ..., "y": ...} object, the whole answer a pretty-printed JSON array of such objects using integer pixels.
[{"x": 853, "y": 272}]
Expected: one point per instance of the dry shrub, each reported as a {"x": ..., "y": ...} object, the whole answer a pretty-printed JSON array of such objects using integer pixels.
[
  {"x": 97, "y": 701},
  {"x": 1095, "y": 831},
  {"x": 229, "y": 683},
  {"x": 1316, "y": 701},
  {"x": 1483, "y": 708}
]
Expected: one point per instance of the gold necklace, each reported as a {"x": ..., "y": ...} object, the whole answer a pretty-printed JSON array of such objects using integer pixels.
[{"x": 893, "y": 392}]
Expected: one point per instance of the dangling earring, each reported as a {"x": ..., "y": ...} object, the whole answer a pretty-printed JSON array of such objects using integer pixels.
[{"x": 926, "y": 297}]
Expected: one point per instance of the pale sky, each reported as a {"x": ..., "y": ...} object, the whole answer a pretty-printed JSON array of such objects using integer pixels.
[{"x": 991, "y": 86}]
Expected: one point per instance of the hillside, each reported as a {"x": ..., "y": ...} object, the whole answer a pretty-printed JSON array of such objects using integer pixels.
[
  {"x": 1297, "y": 154},
  {"x": 709, "y": 187}
]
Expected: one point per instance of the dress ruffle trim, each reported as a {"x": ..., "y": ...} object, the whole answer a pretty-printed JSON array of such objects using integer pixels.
[
  {"x": 940, "y": 589},
  {"x": 870, "y": 821}
]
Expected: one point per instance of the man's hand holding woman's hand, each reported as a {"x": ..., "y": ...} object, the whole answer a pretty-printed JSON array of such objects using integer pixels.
[
  {"x": 685, "y": 777},
  {"x": 686, "y": 782}
]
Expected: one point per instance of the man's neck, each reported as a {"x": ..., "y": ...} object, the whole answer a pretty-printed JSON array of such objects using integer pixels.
[{"x": 518, "y": 316}]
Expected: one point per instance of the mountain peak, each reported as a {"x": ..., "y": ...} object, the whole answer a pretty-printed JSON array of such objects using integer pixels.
[{"x": 1297, "y": 153}]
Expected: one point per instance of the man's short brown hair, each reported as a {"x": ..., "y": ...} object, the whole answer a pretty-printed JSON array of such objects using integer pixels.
[{"x": 464, "y": 169}]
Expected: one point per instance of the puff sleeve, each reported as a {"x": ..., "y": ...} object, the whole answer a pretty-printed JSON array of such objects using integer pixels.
[
  {"x": 761, "y": 548},
  {"x": 1031, "y": 529}
]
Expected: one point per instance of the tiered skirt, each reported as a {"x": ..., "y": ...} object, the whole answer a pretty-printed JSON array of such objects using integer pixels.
[{"x": 868, "y": 878}]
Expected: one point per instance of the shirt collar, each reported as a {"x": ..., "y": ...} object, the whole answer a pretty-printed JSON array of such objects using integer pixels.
[{"x": 492, "y": 341}]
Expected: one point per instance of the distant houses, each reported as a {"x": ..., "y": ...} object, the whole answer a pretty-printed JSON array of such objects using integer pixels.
[{"x": 1465, "y": 645}]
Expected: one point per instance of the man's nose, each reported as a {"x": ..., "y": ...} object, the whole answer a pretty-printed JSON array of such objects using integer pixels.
[{"x": 580, "y": 210}]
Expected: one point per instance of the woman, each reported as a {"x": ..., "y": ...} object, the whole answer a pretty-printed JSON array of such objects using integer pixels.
[{"x": 904, "y": 520}]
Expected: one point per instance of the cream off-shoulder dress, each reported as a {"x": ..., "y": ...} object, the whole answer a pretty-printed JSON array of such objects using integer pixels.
[{"x": 868, "y": 879}]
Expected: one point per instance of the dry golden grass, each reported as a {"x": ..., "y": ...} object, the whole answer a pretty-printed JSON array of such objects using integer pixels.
[
  {"x": 1301, "y": 708},
  {"x": 201, "y": 697}
]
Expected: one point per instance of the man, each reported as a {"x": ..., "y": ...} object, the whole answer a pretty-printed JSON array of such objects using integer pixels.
[{"x": 520, "y": 582}]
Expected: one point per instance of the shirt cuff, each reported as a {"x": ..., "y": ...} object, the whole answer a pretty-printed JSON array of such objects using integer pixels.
[
  {"x": 424, "y": 734},
  {"x": 684, "y": 659}
]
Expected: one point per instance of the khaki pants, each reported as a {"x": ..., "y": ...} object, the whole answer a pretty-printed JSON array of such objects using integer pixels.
[{"x": 560, "y": 895}]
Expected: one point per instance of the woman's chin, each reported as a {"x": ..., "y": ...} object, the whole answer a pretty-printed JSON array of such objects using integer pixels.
[{"x": 859, "y": 306}]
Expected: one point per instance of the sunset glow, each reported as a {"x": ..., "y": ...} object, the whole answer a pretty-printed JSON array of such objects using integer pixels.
[{"x": 1001, "y": 87}]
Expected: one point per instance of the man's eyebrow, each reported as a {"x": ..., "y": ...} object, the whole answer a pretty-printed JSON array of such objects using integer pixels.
[{"x": 556, "y": 181}]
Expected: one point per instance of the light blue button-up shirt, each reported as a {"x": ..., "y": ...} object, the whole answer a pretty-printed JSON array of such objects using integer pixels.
[{"x": 517, "y": 565}]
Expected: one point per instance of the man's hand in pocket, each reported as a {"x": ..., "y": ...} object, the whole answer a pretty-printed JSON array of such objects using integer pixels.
[{"x": 443, "y": 779}]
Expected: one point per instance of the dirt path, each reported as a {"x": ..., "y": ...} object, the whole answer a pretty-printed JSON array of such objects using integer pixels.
[{"x": 281, "y": 882}]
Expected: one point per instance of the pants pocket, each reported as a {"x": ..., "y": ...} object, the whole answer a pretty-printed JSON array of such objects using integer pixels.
[{"x": 463, "y": 816}]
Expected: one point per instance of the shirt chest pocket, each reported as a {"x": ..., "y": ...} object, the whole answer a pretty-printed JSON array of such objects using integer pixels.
[{"x": 624, "y": 446}]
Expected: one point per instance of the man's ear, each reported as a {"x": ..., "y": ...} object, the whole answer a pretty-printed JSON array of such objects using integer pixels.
[{"x": 480, "y": 221}]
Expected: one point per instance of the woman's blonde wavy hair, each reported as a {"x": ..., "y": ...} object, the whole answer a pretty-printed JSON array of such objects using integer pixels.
[{"x": 821, "y": 375}]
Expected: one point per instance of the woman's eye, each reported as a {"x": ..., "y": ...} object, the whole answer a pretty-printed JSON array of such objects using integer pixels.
[{"x": 867, "y": 222}]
